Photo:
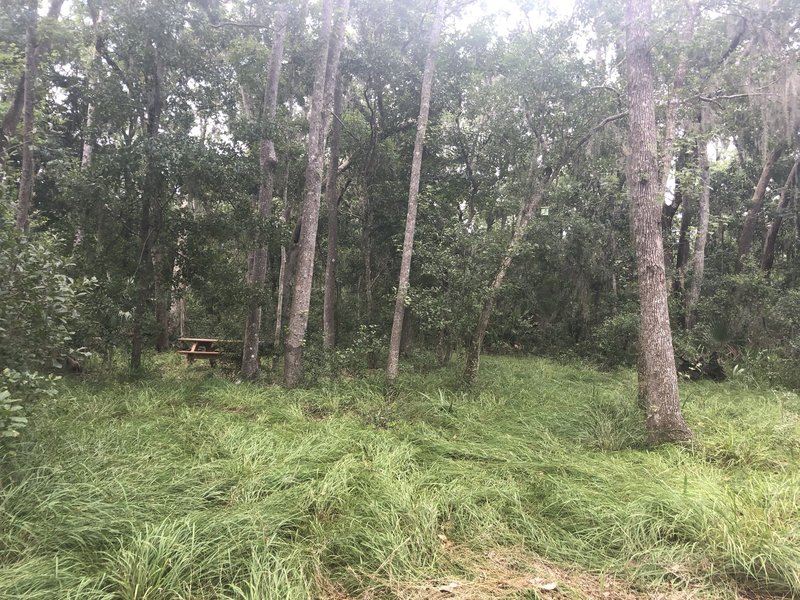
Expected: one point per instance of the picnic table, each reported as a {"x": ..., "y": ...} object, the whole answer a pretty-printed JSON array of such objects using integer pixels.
[
  {"x": 201, "y": 348},
  {"x": 214, "y": 348}
]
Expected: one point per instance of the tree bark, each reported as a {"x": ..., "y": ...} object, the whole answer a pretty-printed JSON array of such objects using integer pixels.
[
  {"x": 15, "y": 109},
  {"x": 325, "y": 72},
  {"x": 393, "y": 364},
  {"x": 283, "y": 277},
  {"x": 332, "y": 202},
  {"x": 768, "y": 254},
  {"x": 756, "y": 204},
  {"x": 664, "y": 420},
  {"x": 269, "y": 160},
  {"x": 699, "y": 259},
  {"x": 25, "y": 199}
]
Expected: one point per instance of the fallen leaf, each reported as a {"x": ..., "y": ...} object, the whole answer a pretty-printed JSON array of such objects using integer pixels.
[
  {"x": 448, "y": 589},
  {"x": 545, "y": 586}
]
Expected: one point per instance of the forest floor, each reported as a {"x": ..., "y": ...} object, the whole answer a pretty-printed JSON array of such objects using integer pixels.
[{"x": 186, "y": 484}]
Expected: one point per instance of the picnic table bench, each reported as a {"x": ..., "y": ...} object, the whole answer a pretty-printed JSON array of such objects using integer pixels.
[
  {"x": 201, "y": 348},
  {"x": 214, "y": 348}
]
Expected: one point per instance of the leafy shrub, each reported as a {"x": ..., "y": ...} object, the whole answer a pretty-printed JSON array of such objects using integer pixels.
[
  {"x": 38, "y": 310},
  {"x": 615, "y": 341},
  {"x": 366, "y": 350}
]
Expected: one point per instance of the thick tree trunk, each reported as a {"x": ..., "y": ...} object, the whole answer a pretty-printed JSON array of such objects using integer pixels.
[
  {"x": 325, "y": 72},
  {"x": 756, "y": 204},
  {"x": 332, "y": 202},
  {"x": 393, "y": 364},
  {"x": 25, "y": 199},
  {"x": 269, "y": 160},
  {"x": 15, "y": 109},
  {"x": 664, "y": 420},
  {"x": 699, "y": 259},
  {"x": 768, "y": 254}
]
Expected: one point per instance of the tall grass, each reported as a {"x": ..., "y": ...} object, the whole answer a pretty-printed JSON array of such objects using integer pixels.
[{"x": 186, "y": 485}]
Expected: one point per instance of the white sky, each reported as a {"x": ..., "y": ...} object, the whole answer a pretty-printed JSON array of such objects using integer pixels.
[{"x": 508, "y": 14}]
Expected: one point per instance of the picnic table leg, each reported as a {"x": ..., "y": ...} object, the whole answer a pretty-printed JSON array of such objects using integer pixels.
[{"x": 189, "y": 357}]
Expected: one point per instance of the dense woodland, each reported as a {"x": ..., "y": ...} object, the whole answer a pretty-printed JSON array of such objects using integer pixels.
[
  {"x": 349, "y": 185},
  {"x": 476, "y": 270}
]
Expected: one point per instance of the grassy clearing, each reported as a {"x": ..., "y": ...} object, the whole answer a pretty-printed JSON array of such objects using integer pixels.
[{"x": 186, "y": 485}]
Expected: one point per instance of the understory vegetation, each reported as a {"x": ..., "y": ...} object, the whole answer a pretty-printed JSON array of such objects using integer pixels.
[{"x": 184, "y": 483}]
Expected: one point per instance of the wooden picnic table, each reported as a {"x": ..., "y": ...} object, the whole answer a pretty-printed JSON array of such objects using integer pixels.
[
  {"x": 213, "y": 348},
  {"x": 201, "y": 348}
]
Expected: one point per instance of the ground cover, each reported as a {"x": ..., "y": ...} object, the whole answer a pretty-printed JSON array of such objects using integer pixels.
[{"x": 186, "y": 484}]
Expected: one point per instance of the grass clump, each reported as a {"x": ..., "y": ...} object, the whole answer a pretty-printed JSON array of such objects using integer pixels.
[{"x": 186, "y": 485}]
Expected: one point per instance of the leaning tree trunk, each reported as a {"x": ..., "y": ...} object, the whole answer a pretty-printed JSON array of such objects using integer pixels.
[
  {"x": 393, "y": 364},
  {"x": 768, "y": 254},
  {"x": 664, "y": 420},
  {"x": 756, "y": 204},
  {"x": 325, "y": 72},
  {"x": 25, "y": 199},
  {"x": 520, "y": 227},
  {"x": 269, "y": 160},
  {"x": 699, "y": 259},
  {"x": 332, "y": 202}
]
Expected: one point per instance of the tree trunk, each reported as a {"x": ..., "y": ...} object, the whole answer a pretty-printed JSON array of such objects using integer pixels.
[
  {"x": 668, "y": 212},
  {"x": 664, "y": 420},
  {"x": 332, "y": 202},
  {"x": 277, "y": 336},
  {"x": 670, "y": 126},
  {"x": 756, "y": 204},
  {"x": 768, "y": 254},
  {"x": 88, "y": 133},
  {"x": 325, "y": 73},
  {"x": 524, "y": 217},
  {"x": 162, "y": 286},
  {"x": 25, "y": 199},
  {"x": 682, "y": 256},
  {"x": 151, "y": 195},
  {"x": 699, "y": 259},
  {"x": 393, "y": 364},
  {"x": 15, "y": 109},
  {"x": 269, "y": 160},
  {"x": 366, "y": 249}
]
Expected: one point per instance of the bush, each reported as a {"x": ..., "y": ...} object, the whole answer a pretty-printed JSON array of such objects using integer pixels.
[
  {"x": 38, "y": 310},
  {"x": 616, "y": 340}
]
